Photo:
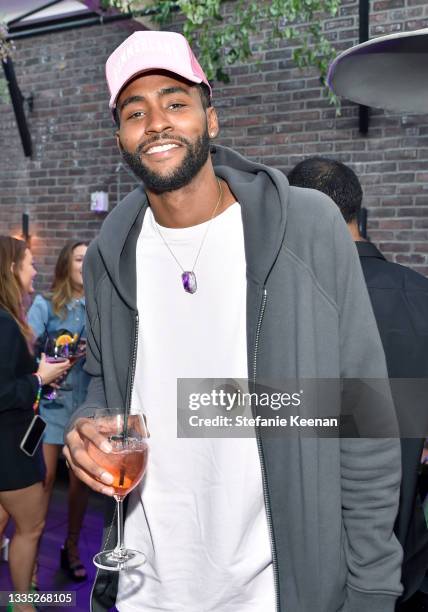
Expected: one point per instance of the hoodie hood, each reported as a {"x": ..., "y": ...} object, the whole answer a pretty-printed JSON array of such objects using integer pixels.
[{"x": 262, "y": 192}]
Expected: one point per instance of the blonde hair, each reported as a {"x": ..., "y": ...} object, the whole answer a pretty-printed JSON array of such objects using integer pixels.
[
  {"x": 12, "y": 253},
  {"x": 62, "y": 288}
]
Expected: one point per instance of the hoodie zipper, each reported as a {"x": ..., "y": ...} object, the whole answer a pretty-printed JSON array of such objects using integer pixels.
[
  {"x": 127, "y": 410},
  {"x": 262, "y": 463},
  {"x": 133, "y": 366}
]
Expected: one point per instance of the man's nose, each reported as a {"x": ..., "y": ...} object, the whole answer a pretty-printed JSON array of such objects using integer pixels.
[{"x": 157, "y": 121}]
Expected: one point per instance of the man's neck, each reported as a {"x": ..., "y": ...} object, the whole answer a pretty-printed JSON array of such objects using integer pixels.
[
  {"x": 192, "y": 204},
  {"x": 355, "y": 232}
]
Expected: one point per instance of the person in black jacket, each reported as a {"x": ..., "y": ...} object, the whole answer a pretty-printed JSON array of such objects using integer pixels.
[
  {"x": 21, "y": 379},
  {"x": 399, "y": 298}
]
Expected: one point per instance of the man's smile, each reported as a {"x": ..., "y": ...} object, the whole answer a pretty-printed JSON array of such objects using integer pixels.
[
  {"x": 160, "y": 148},
  {"x": 161, "y": 151},
  {"x": 159, "y": 143}
]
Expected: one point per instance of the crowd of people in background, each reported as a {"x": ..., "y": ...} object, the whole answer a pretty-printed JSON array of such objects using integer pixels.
[
  {"x": 63, "y": 311},
  {"x": 32, "y": 383}
]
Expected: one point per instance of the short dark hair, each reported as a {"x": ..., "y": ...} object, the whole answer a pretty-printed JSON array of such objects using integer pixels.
[
  {"x": 204, "y": 93},
  {"x": 334, "y": 179}
]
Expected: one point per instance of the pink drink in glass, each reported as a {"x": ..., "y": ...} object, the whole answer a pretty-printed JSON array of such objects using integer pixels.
[{"x": 126, "y": 463}]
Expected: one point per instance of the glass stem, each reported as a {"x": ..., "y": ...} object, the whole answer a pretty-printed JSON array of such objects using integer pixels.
[{"x": 120, "y": 547}]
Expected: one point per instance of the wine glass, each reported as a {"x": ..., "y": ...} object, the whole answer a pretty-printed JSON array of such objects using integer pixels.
[
  {"x": 126, "y": 462},
  {"x": 54, "y": 354},
  {"x": 78, "y": 352},
  {"x": 74, "y": 352}
]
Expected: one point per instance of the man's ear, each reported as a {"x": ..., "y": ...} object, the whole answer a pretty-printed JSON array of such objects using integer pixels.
[
  {"x": 212, "y": 121},
  {"x": 118, "y": 143},
  {"x": 12, "y": 267}
]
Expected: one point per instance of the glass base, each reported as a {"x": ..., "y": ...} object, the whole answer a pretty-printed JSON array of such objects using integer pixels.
[{"x": 113, "y": 562}]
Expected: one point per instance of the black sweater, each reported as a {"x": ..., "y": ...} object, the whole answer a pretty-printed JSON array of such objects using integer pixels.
[{"x": 18, "y": 387}]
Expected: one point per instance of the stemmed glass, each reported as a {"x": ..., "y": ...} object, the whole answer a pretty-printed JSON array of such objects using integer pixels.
[
  {"x": 73, "y": 349},
  {"x": 74, "y": 352},
  {"x": 126, "y": 462},
  {"x": 54, "y": 354},
  {"x": 78, "y": 351}
]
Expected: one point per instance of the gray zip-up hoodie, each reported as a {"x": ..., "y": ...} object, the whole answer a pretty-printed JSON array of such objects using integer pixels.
[{"x": 330, "y": 503}]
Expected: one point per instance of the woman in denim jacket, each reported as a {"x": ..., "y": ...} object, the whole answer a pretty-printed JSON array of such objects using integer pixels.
[{"x": 64, "y": 309}]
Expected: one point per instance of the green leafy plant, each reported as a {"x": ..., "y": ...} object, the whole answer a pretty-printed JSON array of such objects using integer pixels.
[
  {"x": 6, "y": 49},
  {"x": 223, "y": 40}
]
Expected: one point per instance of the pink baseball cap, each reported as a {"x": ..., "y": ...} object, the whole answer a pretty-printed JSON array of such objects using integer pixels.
[{"x": 148, "y": 50}]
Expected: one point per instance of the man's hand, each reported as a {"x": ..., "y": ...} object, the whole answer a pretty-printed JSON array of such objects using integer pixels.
[{"x": 76, "y": 454}]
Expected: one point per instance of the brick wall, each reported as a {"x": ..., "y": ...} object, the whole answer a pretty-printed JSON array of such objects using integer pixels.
[
  {"x": 270, "y": 111},
  {"x": 74, "y": 149}
]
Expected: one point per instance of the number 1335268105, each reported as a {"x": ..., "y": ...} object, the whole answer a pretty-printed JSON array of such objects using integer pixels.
[{"x": 51, "y": 598}]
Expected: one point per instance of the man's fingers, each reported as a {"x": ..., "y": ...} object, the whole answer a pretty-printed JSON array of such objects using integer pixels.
[
  {"x": 82, "y": 460},
  {"x": 77, "y": 454},
  {"x": 86, "y": 429},
  {"x": 91, "y": 478}
]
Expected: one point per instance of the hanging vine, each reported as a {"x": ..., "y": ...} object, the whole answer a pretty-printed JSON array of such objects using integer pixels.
[
  {"x": 223, "y": 41},
  {"x": 6, "y": 49}
]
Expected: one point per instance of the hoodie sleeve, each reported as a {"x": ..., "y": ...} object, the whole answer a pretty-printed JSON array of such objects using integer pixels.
[
  {"x": 96, "y": 394},
  {"x": 93, "y": 363},
  {"x": 370, "y": 467}
]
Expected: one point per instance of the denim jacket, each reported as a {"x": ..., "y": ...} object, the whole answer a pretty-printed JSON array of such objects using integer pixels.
[{"x": 41, "y": 318}]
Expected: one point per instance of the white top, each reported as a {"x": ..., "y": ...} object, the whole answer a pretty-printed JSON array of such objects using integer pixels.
[{"x": 199, "y": 515}]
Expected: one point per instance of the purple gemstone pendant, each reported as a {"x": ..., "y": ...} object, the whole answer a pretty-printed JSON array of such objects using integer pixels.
[{"x": 189, "y": 282}]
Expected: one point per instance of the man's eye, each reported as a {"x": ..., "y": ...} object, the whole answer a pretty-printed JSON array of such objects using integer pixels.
[
  {"x": 176, "y": 105},
  {"x": 136, "y": 115}
]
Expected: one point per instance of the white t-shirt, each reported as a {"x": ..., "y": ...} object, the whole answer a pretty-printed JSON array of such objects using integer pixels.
[{"x": 199, "y": 514}]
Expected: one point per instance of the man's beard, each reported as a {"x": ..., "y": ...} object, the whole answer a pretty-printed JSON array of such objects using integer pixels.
[{"x": 195, "y": 158}]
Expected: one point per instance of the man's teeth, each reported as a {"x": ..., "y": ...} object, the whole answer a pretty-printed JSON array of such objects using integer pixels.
[{"x": 161, "y": 148}]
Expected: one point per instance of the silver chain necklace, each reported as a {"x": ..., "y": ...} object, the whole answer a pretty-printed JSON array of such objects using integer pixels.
[{"x": 188, "y": 277}]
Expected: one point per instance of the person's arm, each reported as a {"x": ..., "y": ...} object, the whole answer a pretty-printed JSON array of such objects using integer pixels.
[
  {"x": 370, "y": 467},
  {"x": 15, "y": 392},
  {"x": 38, "y": 316},
  {"x": 93, "y": 360}
]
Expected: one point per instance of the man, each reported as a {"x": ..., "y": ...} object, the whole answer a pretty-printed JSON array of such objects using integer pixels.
[
  {"x": 399, "y": 298},
  {"x": 217, "y": 269}
]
